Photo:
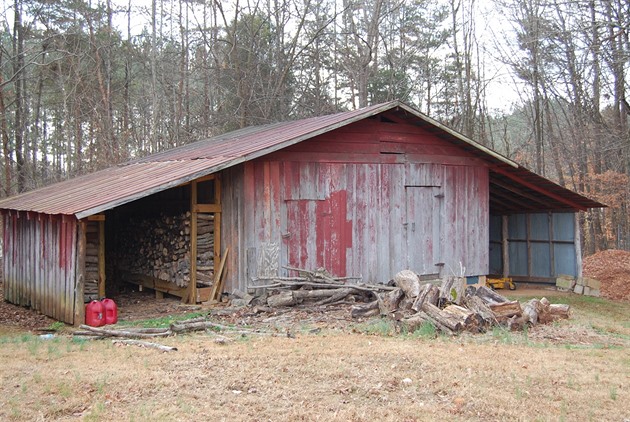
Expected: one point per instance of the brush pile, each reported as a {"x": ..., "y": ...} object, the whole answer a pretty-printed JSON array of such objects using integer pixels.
[{"x": 448, "y": 304}]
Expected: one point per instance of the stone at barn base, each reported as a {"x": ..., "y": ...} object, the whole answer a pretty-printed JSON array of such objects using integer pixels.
[
  {"x": 578, "y": 289},
  {"x": 565, "y": 282}
]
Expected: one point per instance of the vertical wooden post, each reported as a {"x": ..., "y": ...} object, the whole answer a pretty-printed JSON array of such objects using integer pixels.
[
  {"x": 505, "y": 246},
  {"x": 217, "y": 224},
  {"x": 79, "y": 279},
  {"x": 577, "y": 239},
  {"x": 192, "y": 287},
  {"x": 101, "y": 259}
]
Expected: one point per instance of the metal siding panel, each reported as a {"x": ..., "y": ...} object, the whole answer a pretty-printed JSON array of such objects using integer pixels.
[
  {"x": 539, "y": 226},
  {"x": 541, "y": 260},
  {"x": 565, "y": 262},
  {"x": 564, "y": 226},
  {"x": 518, "y": 258}
]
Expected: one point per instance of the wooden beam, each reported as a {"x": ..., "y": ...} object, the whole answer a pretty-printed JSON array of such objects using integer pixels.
[
  {"x": 192, "y": 284},
  {"x": 96, "y": 217},
  {"x": 101, "y": 258},
  {"x": 505, "y": 246},
  {"x": 79, "y": 279},
  {"x": 511, "y": 199},
  {"x": 206, "y": 208},
  {"x": 538, "y": 189},
  {"x": 515, "y": 190},
  {"x": 217, "y": 223}
]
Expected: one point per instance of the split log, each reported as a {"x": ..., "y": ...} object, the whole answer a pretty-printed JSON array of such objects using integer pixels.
[
  {"x": 544, "y": 312},
  {"x": 559, "y": 310},
  {"x": 468, "y": 319},
  {"x": 441, "y": 318},
  {"x": 388, "y": 303},
  {"x": 478, "y": 306},
  {"x": 517, "y": 322},
  {"x": 409, "y": 282},
  {"x": 532, "y": 309},
  {"x": 146, "y": 344},
  {"x": 452, "y": 290},
  {"x": 366, "y": 310},
  {"x": 429, "y": 293},
  {"x": 505, "y": 310},
  {"x": 489, "y": 296},
  {"x": 284, "y": 298},
  {"x": 414, "y": 322}
]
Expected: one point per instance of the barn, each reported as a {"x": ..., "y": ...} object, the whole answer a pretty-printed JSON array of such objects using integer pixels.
[{"x": 364, "y": 193}]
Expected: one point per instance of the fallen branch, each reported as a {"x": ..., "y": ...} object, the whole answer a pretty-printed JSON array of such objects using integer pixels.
[
  {"x": 146, "y": 344},
  {"x": 128, "y": 333}
]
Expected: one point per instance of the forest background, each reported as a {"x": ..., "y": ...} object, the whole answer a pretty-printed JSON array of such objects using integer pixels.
[{"x": 88, "y": 84}]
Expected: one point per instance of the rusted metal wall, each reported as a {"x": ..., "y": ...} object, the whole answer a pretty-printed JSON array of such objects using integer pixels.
[
  {"x": 39, "y": 262},
  {"x": 370, "y": 199}
]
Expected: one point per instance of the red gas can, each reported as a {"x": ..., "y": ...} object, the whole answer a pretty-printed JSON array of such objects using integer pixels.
[
  {"x": 94, "y": 315},
  {"x": 110, "y": 310}
]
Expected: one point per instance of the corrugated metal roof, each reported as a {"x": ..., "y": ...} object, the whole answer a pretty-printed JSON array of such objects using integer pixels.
[{"x": 106, "y": 189}]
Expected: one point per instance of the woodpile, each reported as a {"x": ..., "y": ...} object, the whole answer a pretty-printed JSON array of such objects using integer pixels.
[
  {"x": 447, "y": 304},
  {"x": 317, "y": 288},
  {"x": 160, "y": 248},
  {"x": 90, "y": 290}
]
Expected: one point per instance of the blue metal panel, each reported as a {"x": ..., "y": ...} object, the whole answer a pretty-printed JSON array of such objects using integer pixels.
[
  {"x": 495, "y": 228},
  {"x": 518, "y": 258},
  {"x": 541, "y": 260},
  {"x": 517, "y": 226},
  {"x": 564, "y": 226},
  {"x": 564, "y": 257},
  {"x": 539, "y": 226},
  {"x": 496, "y": 263}
]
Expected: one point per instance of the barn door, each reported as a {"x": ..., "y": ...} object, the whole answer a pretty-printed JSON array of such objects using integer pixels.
[
  {"x": 423, "y": 228},
  {"x": 317, "y": 233}
]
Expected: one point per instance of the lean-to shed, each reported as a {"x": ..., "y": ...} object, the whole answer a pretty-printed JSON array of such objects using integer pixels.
[{"x": 361, "y": 193}]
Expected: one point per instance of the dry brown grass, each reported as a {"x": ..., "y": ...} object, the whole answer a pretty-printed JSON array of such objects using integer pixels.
[{"x": 334, "y": 375}]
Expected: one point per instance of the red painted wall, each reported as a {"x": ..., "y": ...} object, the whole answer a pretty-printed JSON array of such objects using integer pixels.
[{"x": 369, "y": 200}]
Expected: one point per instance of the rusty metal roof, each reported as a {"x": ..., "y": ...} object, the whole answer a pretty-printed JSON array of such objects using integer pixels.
[{"x": 109, "y": 188}]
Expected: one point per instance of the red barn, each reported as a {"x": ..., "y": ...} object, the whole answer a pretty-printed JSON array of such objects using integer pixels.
[{"x": 362, "y": 193}]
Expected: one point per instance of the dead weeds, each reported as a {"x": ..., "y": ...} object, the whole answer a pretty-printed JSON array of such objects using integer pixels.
[{"x": 331, "y": 368}]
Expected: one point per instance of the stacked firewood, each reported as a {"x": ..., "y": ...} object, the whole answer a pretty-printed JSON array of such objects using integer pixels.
[
  {"x": 453, "y": 307},
  {"x": 160, "y": 248},
  {"x": 90, "y": 290}
]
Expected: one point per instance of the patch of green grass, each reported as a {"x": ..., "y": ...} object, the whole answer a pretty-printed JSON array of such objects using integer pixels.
[
  {"x": 426, "y": 330},
  {"x": 377, "y": 326},
  {"x": 57, "y": 326},
  {"x": 613, "y": 393},
  {"x": 161, "y": 322}
]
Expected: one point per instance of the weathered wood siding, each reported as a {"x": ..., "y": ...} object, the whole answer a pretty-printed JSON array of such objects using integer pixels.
[
  {"x": 369, "y": 199},
  {"x": 39, "y": 263}
]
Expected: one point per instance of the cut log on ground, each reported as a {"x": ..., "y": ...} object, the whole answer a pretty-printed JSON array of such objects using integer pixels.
[
  {"x": 365, "y": 310},
  {"x": 559, "y": 310},
  {"x": 532, "y": 309},
  {"x": 409, "y": 282},
  {"x": 388, "y": 303},
  {"x": 468, "y": 319},
  {"x": 489, "y": 296},
  {"x": 452, "y": 290},
  {"x": 429, "y": 293},
  {"x": 477, "y": 305},
  {"x": 140, "y": 343},
  {"x": 505, "y": 310},
  {"x": 130, "y": 333},
  {"x": 442, "y": 318}
]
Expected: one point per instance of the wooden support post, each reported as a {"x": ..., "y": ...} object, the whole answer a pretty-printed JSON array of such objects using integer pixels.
[
  {"x": 101, "y": 259},
  {"x": 577, "y": 239},
  {"x": 158, "y": 294},
  {"x": 217, "y": 222},
  {"x": 79, "y": 278},
  {"x": 505, "y": 246},
  {"x": 192, "y": 286}
]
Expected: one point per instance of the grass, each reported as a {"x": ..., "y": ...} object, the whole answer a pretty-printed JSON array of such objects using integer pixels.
[
  {"x": 161, "y": 322},
  {"x": 566, "y": 371}
]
